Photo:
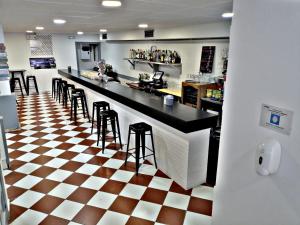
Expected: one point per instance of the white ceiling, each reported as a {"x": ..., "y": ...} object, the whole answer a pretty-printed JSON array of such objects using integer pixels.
[{"x": 89, "y": 15}]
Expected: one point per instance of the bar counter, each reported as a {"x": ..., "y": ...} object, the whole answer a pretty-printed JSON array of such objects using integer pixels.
[{"x": 181, "y": 133}]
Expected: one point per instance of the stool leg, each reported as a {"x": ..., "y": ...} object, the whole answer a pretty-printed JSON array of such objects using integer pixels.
[
  {"x": 113, "y": 127},
  {"x": 143, "y": 144},
  {"x": 72, "y": 108},
  {"x": 75, "y": 109},
  {"x": 93, "y": 114},
  {"x": 35, "y": 85},
  {"x": 20, "y": 87},
  {"x": 104, "y": 132},
  {"x": 82, "y": 105},
  {"x": 27, "y": 85},
  {"x": 86, "y": 107},
  {"x": 153, "y": 149},
  {"x": 127, "y": 150},
  {"x": 137, "y": 152},
  {"x": 98, "y": 127},
  {"x": 119, "y": 133},
  {"x": 52, "y": 89}
]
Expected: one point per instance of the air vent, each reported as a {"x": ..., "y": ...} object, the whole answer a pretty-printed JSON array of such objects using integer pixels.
[
  {"x": 149, "y": 33},
  {"x": 32, "y": 36},
  {"x": 104, "y": 36}
]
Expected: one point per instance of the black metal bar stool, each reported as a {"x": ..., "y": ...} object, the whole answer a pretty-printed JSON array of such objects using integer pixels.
[
  {"x": 66, "y": 93},
  {"x": 79, "y": 94},
  {"x": 16, "y": 81},
  {"x": 84, "y": 104},
  {"x": 61, "y": 84},
  {"x": 55, "y": 82},
  {"x": 105, "y": 116},
  {"x": 31, "y": 78},
  {"x": 140, "y": 130},
  {"x": 98, "y": 107}
]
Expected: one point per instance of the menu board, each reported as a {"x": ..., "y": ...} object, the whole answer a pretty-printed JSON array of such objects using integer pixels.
[{"x": 207, "y": 59}]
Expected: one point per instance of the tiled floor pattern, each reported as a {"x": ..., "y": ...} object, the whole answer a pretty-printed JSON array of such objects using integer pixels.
[{"x": 58, "y": 176}]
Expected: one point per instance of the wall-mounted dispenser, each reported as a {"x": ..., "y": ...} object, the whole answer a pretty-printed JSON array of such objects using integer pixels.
[{"x": 268, "y": 157}]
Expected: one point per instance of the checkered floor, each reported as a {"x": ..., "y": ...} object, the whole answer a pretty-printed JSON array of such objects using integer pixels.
[{"x": 58, "y": 176}]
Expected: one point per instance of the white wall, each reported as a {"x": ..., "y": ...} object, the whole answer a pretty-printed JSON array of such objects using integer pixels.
[
  {"x": 190, "y": 52},
  {"x": 1, "y": 34},
  {"x": 64, "y": 52},
  {"x": 264, "y": 68}
]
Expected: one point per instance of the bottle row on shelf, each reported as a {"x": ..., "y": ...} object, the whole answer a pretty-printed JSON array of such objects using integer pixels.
[{"x": 162, "y": 56}]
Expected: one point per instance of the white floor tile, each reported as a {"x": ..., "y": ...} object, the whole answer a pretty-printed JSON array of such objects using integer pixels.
[
  {"x": 114, "y": 163},
  {"x": 78, "y": 148},
  {"x": 63, "y": 190},
  {"x": 52, "y": 144},
  {"x": 71, "y": 133},
  {"x": 28, "y": 157},
  {"x": 54, "y": 152},
  {"x": 122, "y": 175},
  {"x": 88, "y": 169},
  {"x": 28, "y": 168},
  {"x": 59, "y": 175},
  {"x": 203, "y": 192},
  {"x": 49, "y": 130},
  {"x": 176, "y": 200},
  {"x": 161, "y": 183},
  {"x": 110, "y": 218},
  {"x": 108, "y": 153},
  {"x": 28, "y": 199},
  {"x": 28, "y": 132},
  {"x": 68, "y": 127},
  {"x": 50, "y": 136},
  {"x": 94, "y": 183},
  {"x": 147, "y": 169},
  {"x": 28, "y": 147},
  {"x": 82, "y": 158},
  {"x": 196, "y": 219},
  {"x": 28, "y": 182},
  {"x": 30, "y": 217},
  {"x": 133, "y": 191},
  {"x": 102, "y": 200},
  {"x": 146, "y": 210},
  {"x": 74, "y": 140},
  {"x": 56, "y": 163},
  {"x": 67, "y": 210}
]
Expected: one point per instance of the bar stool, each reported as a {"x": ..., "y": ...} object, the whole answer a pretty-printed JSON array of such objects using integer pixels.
[
  {"x": 66, "y": 93},
  {"x": 31, "y": 78},
  {"x": 61, "y": 84},
  {"x": 55, "y": 82},
  {"x": 105, "y": 116},
  {"x": 140, "y": 129},
  {"x": 13, "y": 82},
  {"x": 84, "y": 105},
  {"x": 98, "y": 107}
]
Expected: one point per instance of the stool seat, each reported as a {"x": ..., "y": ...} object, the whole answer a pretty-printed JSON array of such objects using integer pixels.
[
  {"x": 98, "y": 107},
  {"x": 108, "y": 113},
  {"x": 140, "y": 127}
]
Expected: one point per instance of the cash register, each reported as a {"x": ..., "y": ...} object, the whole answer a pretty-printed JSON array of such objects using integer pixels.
[{"x": 156, "y": 82}]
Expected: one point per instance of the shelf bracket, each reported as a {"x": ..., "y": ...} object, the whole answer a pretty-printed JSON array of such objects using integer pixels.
[
  {"x": 151, "y": 65},
  {"x": 132, "y": 63}
]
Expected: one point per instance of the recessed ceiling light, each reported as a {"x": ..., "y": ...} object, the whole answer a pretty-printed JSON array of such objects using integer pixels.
[
  {"x": 80, "y": 33},
  {"x": 111, "y": 3},
  {"x": 40, "y": 28},
  {"x": 143, "y": 25},
  {"x": 228, "y": 15},
  {"x": 29, "y": 31},
  {"x": 103, "y": 30},
  {"x": 59, "y": 21}
]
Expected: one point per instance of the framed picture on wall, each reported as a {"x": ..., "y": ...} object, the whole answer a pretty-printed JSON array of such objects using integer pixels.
[{"x": 207, "y": 59}]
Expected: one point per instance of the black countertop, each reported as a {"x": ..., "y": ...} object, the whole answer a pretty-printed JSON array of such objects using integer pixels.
[{"x": 179, "y": 116}]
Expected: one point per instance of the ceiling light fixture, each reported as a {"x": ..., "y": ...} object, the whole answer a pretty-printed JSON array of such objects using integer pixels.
[
  {"x": 29, "y": 31},
  {"x": 143, "y": 25},
  {"x": 103, "y": 30},
  {"x": 228, "y": 15},
  {"x": 39, "y": 28},
  {"x": 59, "y": 21},
  {"x": 80, "y": 33},
  {"x": 111, "y": 3}
]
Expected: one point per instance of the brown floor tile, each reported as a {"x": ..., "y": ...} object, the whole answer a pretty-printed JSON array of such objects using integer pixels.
[
  {"x": 15, "y": 164},
  {"x": 47, "y": 204},
  {"x": 65, "y": 146},
  {"x": 71, "y": 166},
  {"x": 114, "y": 187},
  {"x": 178, "y": 189},
  {"x": 76, "y": 179},
  {"x": 82, "y": 195},
  {"x": 124, "y": 205},
  {"x": 68, "y": 155},
  {"x": 15, "y": 154},
  {"x": 138, "y": 221},
  {"x": 62, "y": 138},
  {"x": 60, "y": 131},
  {"x": 45, "y": 186},
  {"x": 17, "y": 137},
  {"x": 82, "y": 135},
  {"x": 40, "y": 142},
  {"x": 39, "y": 134},
  {"x": 42, "y": 159},
  {"x": 80, "y": 129},
  {"x": 92, "y": 150},
  {"x": 41, "y": 150},
  {"x": 39, "y": 128},
  {"x": 14, "y": 192},
  {"x": 43, "y": 171},
  {"x": 154, "y": 195},
  {"x": 58, "y": 126},
  {"x": 199, "y": 205},
  {"x": 169, "y": 215},
  {"x": 130, "y": 166},
  {"x": 141, "y": 179},
  {"x": 87, "y": 142},
  {"x": 13, "y": 177},
  {"x": 97, "y": 160},
  {"x": 89, "y": 215},
  {"x": 15, "y": 212},
  {"x": 159, "y": 173},
  {"x": 119, "y": 155},
  {"x": 105, "y": 172},
  {"x": 53, "y": 220},
  {"x": 16, "y": 145}
]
